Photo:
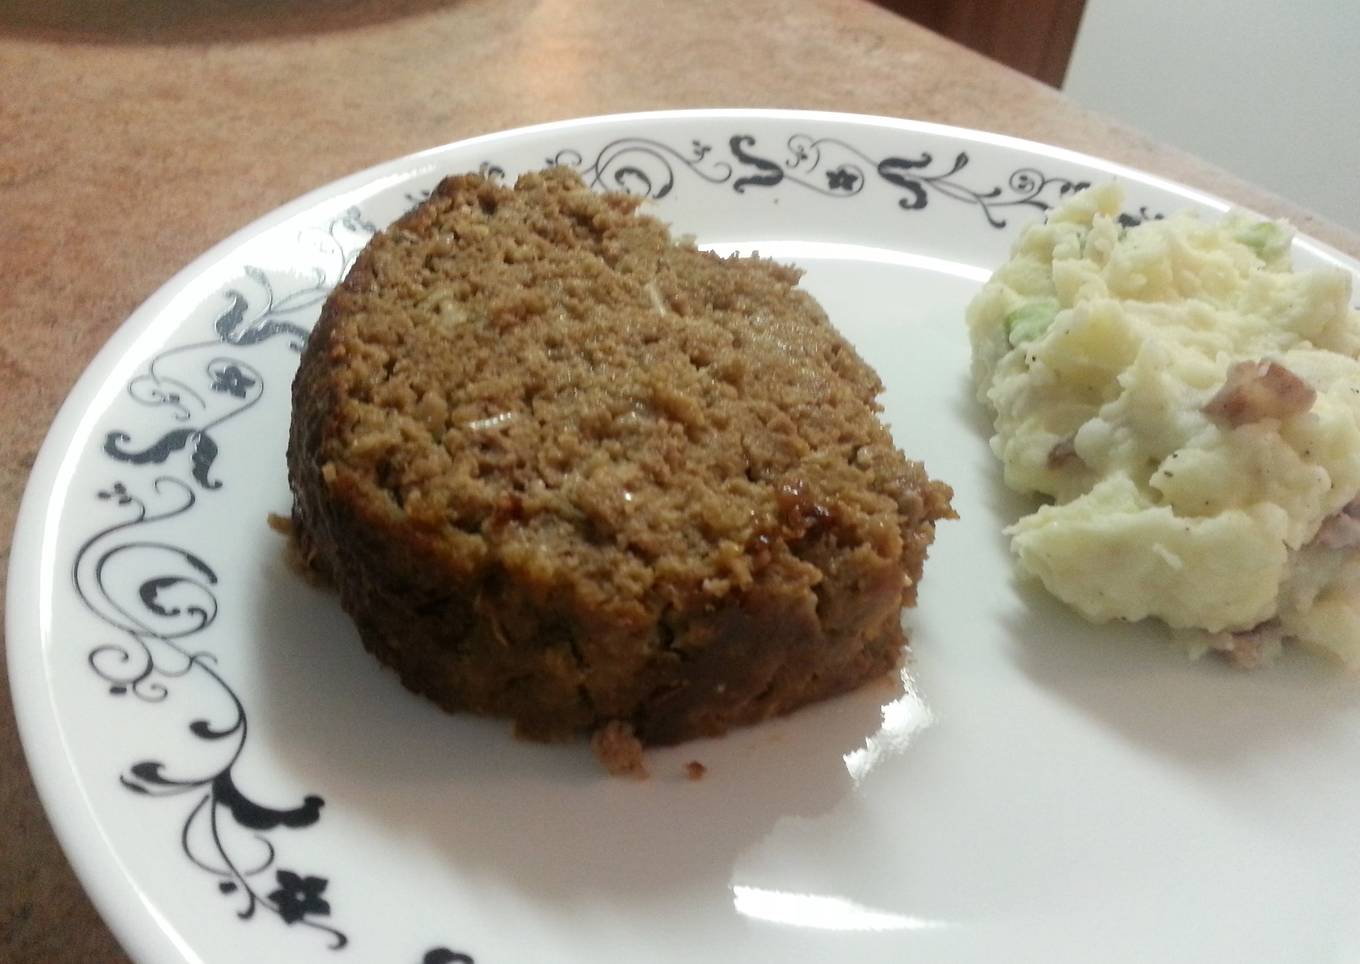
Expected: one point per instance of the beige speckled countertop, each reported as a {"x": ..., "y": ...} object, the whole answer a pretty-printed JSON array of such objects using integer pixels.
[{"x": 136, "y": 133}]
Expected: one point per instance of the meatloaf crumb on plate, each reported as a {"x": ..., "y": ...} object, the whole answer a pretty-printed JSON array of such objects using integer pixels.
[{"x": 565, "y": 470}]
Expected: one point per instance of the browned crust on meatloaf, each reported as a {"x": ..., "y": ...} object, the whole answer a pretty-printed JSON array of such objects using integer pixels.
[{"x": 564, "y": 470}]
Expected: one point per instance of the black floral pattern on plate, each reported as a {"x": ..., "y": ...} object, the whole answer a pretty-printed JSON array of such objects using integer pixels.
[
  {"x": 173, "y": 378},
  {"x": 442, "y": 955},
  {"x": 299, "y": 896},
  {"x": 225, "y": 832},
  {"x": 649, "y": 167}
]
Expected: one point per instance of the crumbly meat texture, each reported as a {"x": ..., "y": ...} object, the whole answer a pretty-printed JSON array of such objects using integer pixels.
[
  {"x": 619, "y": 750},
  {"x": 564, "y": 470}
]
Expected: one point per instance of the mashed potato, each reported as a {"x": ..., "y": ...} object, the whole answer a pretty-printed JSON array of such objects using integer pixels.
[{"x": 1191, "y": 407}]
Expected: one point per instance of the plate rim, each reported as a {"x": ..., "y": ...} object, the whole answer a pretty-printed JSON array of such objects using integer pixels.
[{"x": 139, "y": 928}]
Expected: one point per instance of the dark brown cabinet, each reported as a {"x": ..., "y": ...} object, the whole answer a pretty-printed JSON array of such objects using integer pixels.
[{"x": 1033, "y": 36}]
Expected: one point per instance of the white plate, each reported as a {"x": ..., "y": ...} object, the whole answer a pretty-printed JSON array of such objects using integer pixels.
[{"x": 1037, "y": 789}]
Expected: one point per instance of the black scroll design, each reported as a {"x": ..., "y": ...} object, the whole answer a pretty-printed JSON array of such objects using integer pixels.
[
  {"x": 200, "y": 387},
  {"x": 643, "y": 166},
  {"x": 828, "y": 166},
  {"x": 325, "y": 256},
  {"x": 157, "y": 596},
  {"x": 189, "y": 381},
  {"x": 843, "y": 170},
  {"x": 442, "y": 955}
]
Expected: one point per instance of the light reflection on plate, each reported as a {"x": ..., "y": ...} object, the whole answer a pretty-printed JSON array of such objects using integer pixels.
[{"x": 822, "y": 912}]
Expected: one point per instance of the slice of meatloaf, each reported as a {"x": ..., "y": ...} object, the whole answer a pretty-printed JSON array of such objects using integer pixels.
[{"x": 566, "y": 470}]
